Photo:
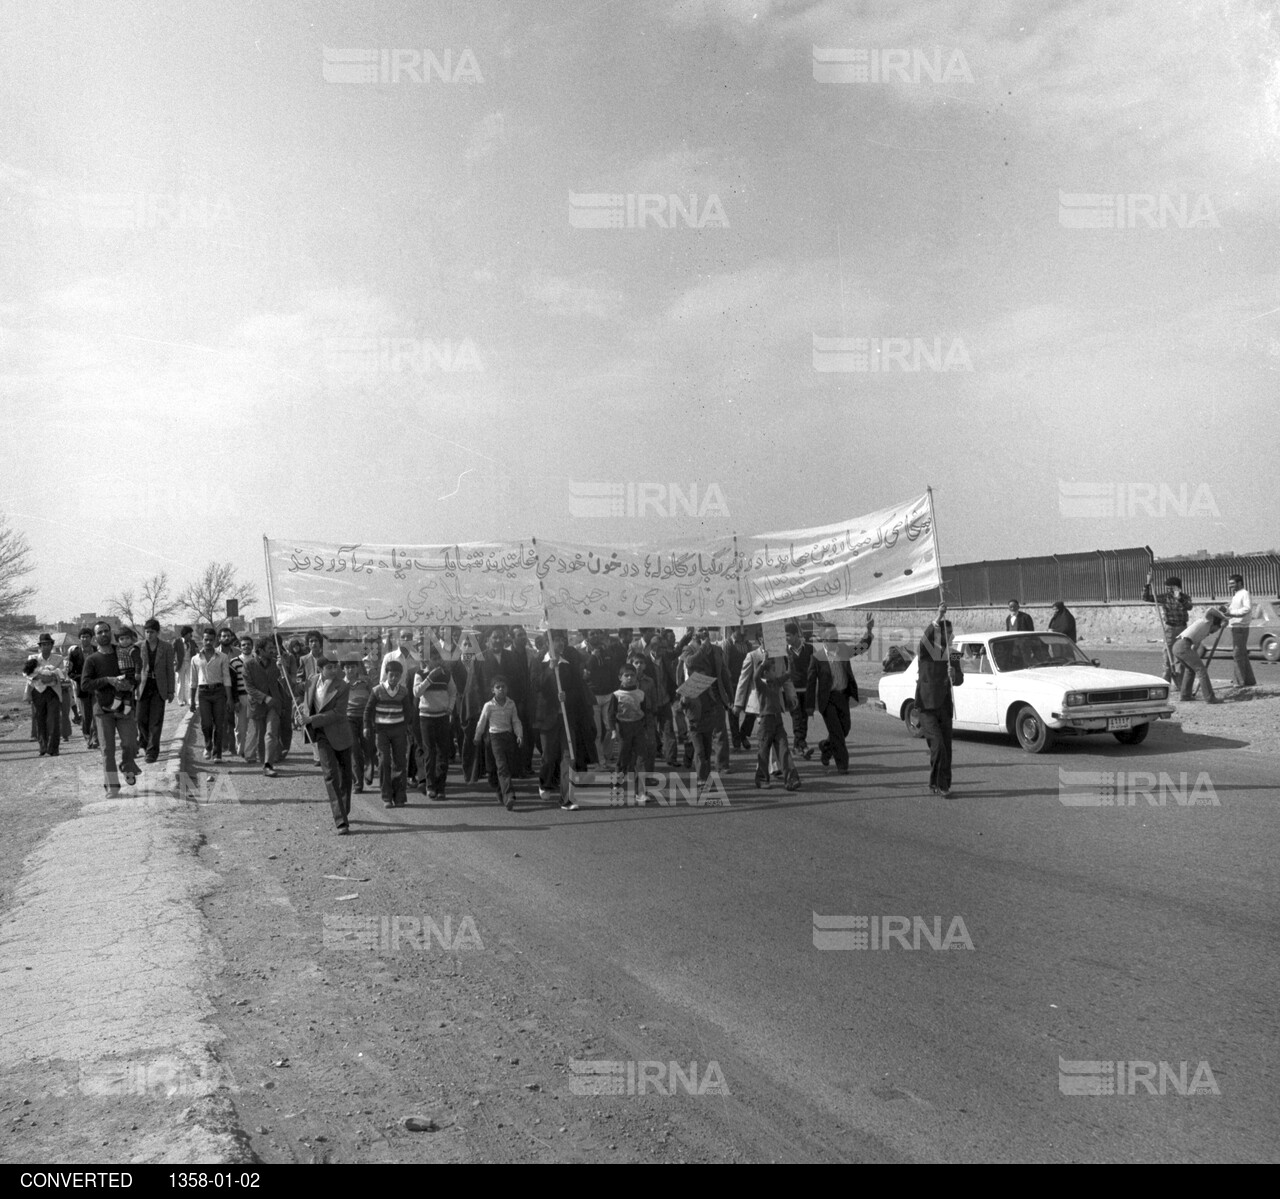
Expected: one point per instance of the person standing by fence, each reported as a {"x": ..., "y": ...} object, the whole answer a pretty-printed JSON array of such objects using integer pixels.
[
  {"x": 1175, "y": 611},
  {"x": 1240, "y": 612}
]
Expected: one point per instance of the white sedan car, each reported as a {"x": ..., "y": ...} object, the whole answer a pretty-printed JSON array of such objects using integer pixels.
[{"x": 1037, "y": 687}]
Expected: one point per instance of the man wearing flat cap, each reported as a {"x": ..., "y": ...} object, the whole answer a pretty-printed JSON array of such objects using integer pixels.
[{"x": 1175, "y": 611}]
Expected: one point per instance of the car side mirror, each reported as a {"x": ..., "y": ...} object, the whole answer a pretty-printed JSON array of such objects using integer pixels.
[{"x": 1094, "y": 662}]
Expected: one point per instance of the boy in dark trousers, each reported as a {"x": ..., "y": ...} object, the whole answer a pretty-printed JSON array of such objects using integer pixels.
[
  {"x": 625, "y": 716},
  {"x": 389, "y": 717},
  {"x": 436, "y": 693},
  {"x": 500, "y": 733},
  {"x": 359, "y": 688}
]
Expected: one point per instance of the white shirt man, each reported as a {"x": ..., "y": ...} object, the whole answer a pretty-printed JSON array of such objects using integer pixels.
[
  {"x": 405, "y": 656},
  {"x": 1240, "y": 613},
  {"x": 1240, "y": 609}
]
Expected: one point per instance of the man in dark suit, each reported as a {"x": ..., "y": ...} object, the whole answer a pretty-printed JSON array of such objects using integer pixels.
[
  {"x": 155, "y": 689},
  {"x": 934, "y": 699},
  {"x": 799, "y": 656},
  {"x": 558, "y": 678},
  {"x": 324, "y": 708},
  {"x": 1018, "y": 621},
  {"x": 831, "y": 689}
]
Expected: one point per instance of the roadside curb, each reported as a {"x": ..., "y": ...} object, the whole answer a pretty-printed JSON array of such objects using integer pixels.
[{"x": 109, "y": 964}]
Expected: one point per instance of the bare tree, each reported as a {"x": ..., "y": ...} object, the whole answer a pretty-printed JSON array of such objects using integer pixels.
[
  {"x": 121, "y": 607},
  {"x": 15, "y": 564},
  {"x": 158, "y": 600},
  {"x": 208, "y": 595}
]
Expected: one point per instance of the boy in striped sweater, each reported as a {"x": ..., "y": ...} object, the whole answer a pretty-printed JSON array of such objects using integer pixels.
[
  {"x": 389, "y": 716},
  {"x": 500, "y": 732}
]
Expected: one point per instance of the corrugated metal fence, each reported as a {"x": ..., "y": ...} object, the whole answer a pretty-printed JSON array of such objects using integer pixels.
[
  {"x": 1100, "y": 577},
  {"x": 1206, "y": 578}
]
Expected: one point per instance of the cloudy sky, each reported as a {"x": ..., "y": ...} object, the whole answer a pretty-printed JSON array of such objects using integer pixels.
[{"x": 329, "y": 271}]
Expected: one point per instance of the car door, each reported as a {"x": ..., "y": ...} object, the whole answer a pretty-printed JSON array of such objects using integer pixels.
[{"x": 975, "y": 698}]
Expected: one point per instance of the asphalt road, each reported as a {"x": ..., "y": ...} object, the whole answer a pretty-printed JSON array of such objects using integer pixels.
[{"x": 1132, "y": 933}]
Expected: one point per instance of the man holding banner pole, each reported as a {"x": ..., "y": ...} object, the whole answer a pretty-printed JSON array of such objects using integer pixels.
[{"x": 832, "y": 690}]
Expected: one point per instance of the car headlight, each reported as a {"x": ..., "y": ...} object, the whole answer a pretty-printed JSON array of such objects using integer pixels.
[
  {"x": 1074, "y": 699},
  {"x": 1159, "y": 692}
]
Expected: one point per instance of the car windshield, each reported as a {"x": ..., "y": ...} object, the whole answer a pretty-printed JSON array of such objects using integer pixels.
[{"x": 1043, "y": 649}]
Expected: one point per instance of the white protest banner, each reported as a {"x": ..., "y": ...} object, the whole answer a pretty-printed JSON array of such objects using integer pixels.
[
  {"x": 598, "y": 587},
  {"x": 880, "y": 556},
  {"x": 317, "y": 584},
  {"x": 722, "y": 581}
]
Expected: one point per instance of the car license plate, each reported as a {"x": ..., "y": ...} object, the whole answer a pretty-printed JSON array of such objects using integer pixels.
[{"x": 1119, "y": 722}]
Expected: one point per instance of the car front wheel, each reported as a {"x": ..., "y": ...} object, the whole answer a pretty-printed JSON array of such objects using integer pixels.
[
  {"x": 1032, "y": 733},
  {"x": 1271, "y": 649},
  {"x": 1133, "y": 736},
  {"x": 911, "y": 718}
]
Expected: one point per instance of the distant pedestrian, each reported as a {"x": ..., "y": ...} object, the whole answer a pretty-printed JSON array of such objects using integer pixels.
[
  {"x": 44, "y": 690},
  {"x": 1186, "y": 650},
  {"x": 1018, "y": 621},
  {"x": 624, "y": 717},
  {"x": 268, "y": 704},
  {"x": 736, "y": 649},
  {"x": 211, "y": 693},
  {"x": 777, "y": 695},
  {"x": 246, "y": 730},
  {"x": 705, "y": 712},
  {"x": 934, "y": 700},
  {"x": 110, "y": 676},
  {"x": 799, "y": 655},
  {"x": 324, "y": 710},
  {"x": 1062, "y": 621},
  {"x": 76, "y": 659},
  {"x": 560, "y": 698},
  {"x": 436, "y": 693},
  {"x": 1240, "y": 612},
  {"x": 389, "y": 716},
  {"x": 499, "y": 733},
  {"x": 359, "y": 688},
  {"x": 184, "y": 650},
  {"x": 520, "y": 686},
  {"x": 155, "y": 689},
  {"x": 832, "y": 690}
]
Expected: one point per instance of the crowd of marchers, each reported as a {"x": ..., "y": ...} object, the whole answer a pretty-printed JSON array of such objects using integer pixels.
[{"x": 431, "y": 704}]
